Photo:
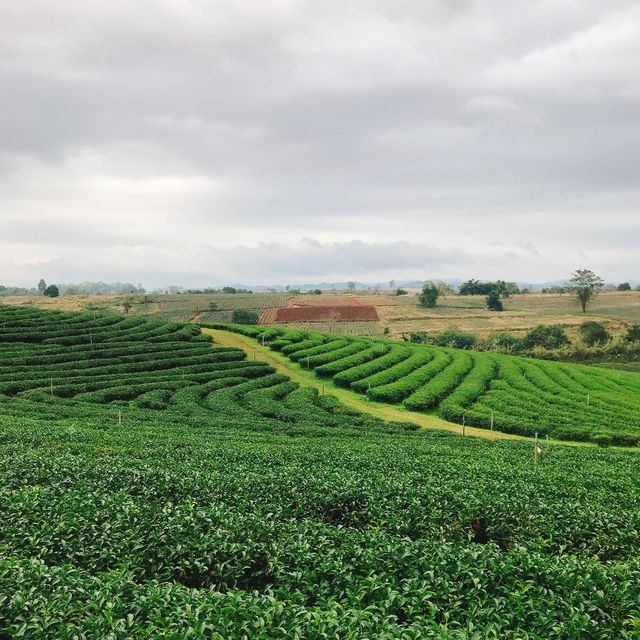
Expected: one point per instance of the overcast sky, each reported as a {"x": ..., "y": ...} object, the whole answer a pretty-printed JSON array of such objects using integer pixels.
[{"x": 202, "y": 142}]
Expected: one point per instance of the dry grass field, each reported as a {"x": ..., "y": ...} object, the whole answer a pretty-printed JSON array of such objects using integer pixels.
[
  {"x": 616, "y": 310},
  {"x": 468, "y": 313}
]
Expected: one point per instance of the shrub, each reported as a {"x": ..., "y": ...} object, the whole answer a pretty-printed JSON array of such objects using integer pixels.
[
  {"x": 456, "y": 339},
  {"x": 593, "y": 333},
  {"x": 505, "y": 340},
  {"x": 244, "y": 316},
  {"x": 548, "y": 336},
  {"x": 633, "y": 333}
]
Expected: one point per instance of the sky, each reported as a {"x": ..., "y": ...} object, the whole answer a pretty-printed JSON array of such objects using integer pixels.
[{"x": 205, "y": 142}]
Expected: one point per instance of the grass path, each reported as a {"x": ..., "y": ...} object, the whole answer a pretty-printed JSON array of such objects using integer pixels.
[{"x": 303, "y": 376}]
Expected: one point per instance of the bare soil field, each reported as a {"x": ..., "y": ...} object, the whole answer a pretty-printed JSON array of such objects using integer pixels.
[{"x": 337, "y": 313}]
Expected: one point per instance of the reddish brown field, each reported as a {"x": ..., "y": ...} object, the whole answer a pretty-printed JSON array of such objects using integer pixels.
[{"x": 335, "y": 313}]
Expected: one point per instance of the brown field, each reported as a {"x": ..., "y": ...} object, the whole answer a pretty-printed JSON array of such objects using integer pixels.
[
  {"x": 617, "y": 310},
  {"x": 335, "y": 313}
]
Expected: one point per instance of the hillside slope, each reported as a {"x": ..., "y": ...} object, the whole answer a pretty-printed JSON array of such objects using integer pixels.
[
  {"x": 491, "y": 391},
  {"x": 153, "y": 485}
]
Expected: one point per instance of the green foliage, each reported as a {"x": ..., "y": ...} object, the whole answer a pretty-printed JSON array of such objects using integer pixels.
[
  {"x": 448, "y": 338},
  {"x": 244, "y": 316},
  {"x": 524, "y": 396},
  {"x": 400, "y": 292},
  {"x": 428, "y": 297},
  {"x": 169, "y": 488},
  {"x": 623, "y": 286},
  {"x": 51, "y": 291},
  {"x": 633, "y": 333},
  {"x": 477, "y": 288},
  {"x": 547, "y": 336},
  {"x": 586, "y": 285},
  {"x": 593, "y": 333},
  {"x": 505, "y": 341},
  {"x": 493, "y": 301}
]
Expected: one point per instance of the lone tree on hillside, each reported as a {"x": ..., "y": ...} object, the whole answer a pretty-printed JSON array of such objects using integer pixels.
[
  {"x": 428, "y": 297},
  {"x": 52, "y": 291},
  {"x": 42, "y": 285},
  {"x": 585, "y": 284},
  {"x": 623, "y": 286}
]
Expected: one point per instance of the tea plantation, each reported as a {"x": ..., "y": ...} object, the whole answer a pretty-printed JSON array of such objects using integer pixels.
[
  {"x": 512, "y": 394},
  {"x": 153, "y": 485}
]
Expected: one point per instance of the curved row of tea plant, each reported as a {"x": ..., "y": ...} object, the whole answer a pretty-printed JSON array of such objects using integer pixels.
[
  {"x": 512, "y": 394},
  {"x": 216, "y": 499}
]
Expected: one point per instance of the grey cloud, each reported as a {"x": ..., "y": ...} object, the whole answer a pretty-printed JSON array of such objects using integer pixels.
[{"x": 160, "y": 123}]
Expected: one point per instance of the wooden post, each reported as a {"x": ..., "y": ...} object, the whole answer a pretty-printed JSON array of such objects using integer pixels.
[
  {"x": 464, "y": 425},
  {"x": 492, "y": 420}
]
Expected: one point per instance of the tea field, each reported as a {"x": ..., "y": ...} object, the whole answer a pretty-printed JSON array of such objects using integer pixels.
[
  {"x": 512, "y": 394},
  {"x": 153, "y": 485}
]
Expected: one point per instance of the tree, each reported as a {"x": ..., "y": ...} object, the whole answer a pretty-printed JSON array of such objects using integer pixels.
[
  {"x": 593, "y": 333},
  {"x": 493, "y": 301},
  {"x": 400, "y": 292},
  {"x": 428, "y": 297},
  {"x": 42, "y": 285},
  {"x": 52, "y": 291},
  {"x": 392, "y": 284},
  {"x": 623, "y": 286},
  {"x": 351, "y": 286},
  {"x": 445, "y": 289},
  {"x": 585, "y": 284},
  {"x": 244, "y": 316},
  {"x": 229, "y": 290}
]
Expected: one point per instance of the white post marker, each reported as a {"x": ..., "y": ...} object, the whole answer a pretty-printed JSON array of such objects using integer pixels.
[
  {"x": 464, "y": 425},
  {"x": 120, "y": 416},
  {"x": 588, "y": 399}
]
